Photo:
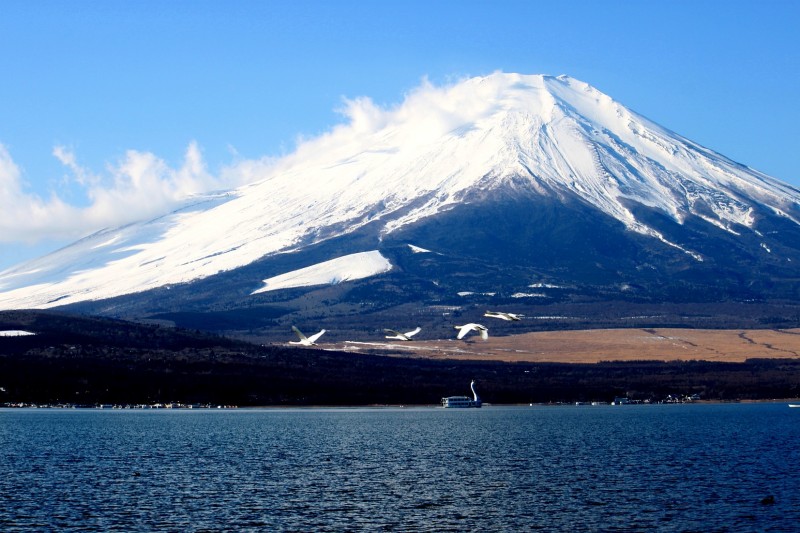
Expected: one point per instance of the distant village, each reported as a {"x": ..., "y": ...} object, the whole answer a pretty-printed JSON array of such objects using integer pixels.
[{"x": 669, "y": 399}]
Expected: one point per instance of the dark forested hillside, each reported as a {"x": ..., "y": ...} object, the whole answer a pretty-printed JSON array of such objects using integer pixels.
[{"x": 83, "y": 360}]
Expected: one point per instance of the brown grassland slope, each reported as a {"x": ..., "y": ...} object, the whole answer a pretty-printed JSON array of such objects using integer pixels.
[{"x": 593, "y": 346}]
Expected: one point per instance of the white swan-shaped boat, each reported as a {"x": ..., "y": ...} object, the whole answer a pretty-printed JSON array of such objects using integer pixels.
[
  {"x": 463, "y": 401},
  {"x": 306, "y": 341},
  {"x": 401, "y": 336},
  {"x": 466, "y": 328},
  {"x": 503, "y": 315}
]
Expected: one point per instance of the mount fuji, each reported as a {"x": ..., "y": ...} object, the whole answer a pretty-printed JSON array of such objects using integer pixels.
[{"x": 514, "y": 190}]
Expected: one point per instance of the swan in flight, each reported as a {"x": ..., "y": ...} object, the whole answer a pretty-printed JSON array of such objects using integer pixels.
[
  {"x": 502, "y": 315},
  {"x": 402, "y": 336},
  {"x": 306, "y": 341},
  {"x": 466, "y": 328}
]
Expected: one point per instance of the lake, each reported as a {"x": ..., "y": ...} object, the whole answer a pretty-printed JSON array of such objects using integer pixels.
[{"x": 698, "y": 467}]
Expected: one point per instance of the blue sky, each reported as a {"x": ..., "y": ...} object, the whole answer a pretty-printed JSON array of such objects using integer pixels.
[{"x": 103, "y": 103}]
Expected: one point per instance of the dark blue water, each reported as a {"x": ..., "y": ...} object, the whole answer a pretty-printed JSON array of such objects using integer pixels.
[{"x": 629, "y": 468}]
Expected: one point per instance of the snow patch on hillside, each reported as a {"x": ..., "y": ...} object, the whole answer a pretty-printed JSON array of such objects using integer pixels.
[
  {"x": 15, "y": 333},
  {"x": 345, "y": 268},
  {"x": 418, "y": 250}
]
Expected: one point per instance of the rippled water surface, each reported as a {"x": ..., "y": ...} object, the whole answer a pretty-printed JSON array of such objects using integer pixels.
[{"x": 628, "y": 468}]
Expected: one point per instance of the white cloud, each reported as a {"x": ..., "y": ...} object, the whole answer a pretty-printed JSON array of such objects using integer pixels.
[
  {"x": 426, "y": 113},
  {"x": 25, "y": 217},
  {"x": 68, "y": 159},
  {"x": 9, "y": 177},
  {"x": 137, "y": 187}
]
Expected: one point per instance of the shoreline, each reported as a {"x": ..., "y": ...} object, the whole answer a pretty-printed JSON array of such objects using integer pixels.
[{"x": 130, "y": 408}]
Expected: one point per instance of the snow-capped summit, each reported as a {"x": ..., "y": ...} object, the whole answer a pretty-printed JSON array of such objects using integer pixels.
[{"x": 532, "y": 139}]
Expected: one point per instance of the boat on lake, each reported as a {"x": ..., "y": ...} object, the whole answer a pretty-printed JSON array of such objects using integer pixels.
[
  {"x": 794, "y": 405},
  {"x": 463, "y": 401}
]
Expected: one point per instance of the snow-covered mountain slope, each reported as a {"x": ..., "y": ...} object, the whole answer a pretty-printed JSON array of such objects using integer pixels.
[
  {"x": 346, "y": 268},
  {"x": 499, "y": 135}
]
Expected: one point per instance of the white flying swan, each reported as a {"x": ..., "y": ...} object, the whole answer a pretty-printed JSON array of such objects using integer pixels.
[
  {"x": 402, "y": 336},
  {"x": 503, "y": 316},
  {"x": 306, "y": 341},
  {"x": 466, "y": 328}
]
